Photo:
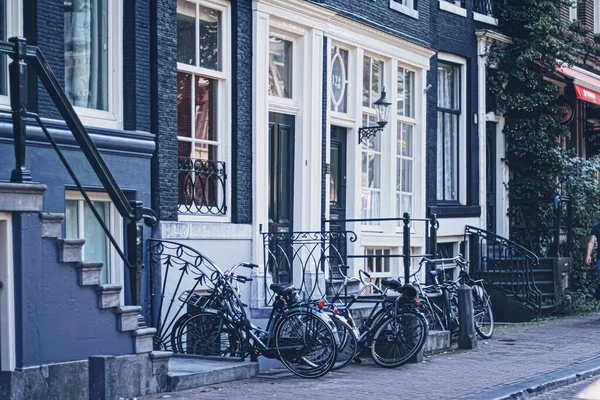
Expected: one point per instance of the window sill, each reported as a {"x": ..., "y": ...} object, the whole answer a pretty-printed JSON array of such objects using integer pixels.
[
  {"x": 487, "y": 19},
  {"x": 454, "y": 211},
  {"x": 453, "y": 8},
  {"x": 411, "y": 12}
]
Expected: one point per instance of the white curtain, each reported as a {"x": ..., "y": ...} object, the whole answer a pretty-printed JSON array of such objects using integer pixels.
[{"x": 86, "y": 53}]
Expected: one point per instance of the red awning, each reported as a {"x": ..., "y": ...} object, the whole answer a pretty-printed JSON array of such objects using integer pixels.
[{"x": 587, "y": 87}]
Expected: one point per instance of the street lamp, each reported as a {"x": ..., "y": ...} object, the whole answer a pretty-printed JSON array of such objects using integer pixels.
[{"x": 382, "y": 107}]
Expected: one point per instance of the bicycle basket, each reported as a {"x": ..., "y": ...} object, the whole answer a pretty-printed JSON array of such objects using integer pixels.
[{"x": 194, "y": 299}]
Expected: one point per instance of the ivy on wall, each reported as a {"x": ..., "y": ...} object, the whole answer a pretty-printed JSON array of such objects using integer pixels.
[{"x": 540, "y": 166}]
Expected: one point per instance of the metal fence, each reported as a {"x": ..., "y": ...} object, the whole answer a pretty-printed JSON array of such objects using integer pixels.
[{"x": 202, "y": 187}]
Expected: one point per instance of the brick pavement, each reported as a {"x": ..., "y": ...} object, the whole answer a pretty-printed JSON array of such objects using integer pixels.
[
  {"x": 588, "y": 389},
  {"x": 515, "y": 353}
]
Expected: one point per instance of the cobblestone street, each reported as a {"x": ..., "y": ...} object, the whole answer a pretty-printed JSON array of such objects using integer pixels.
[{"x": 516, "y": 353}]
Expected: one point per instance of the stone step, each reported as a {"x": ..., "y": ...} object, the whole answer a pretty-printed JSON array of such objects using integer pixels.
[
  {"x": 89, "y": 273},
  {"x": 51, "y": 225},
  {"x": 128, "y": 318},
  {"x": 144, "y": 340},
  {"x": 70, "y": 250},
  {"x": 192, "y": 372},
  {"x": 109, "y": 296}
]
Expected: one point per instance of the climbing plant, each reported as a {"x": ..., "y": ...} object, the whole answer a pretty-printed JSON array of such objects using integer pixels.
[{"x": 526, "y": 95}]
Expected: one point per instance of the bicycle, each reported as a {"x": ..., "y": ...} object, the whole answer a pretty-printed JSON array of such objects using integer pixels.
[
  {"x": 302, "y": 338},
  {"x": 394, "y": 330}
]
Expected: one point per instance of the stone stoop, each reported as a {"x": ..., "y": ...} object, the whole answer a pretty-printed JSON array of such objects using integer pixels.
[
  {"x": 88, "y": 273},
  {"x": 188, "y": 372}
]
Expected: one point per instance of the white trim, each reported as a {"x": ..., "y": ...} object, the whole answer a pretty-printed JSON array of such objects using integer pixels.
[
  {"x": 453, "y": 8},
  {"x": 14, "y": 27},
  {"x": 408, "y": 10},
  {"x": 596, "y": 16},
  {"x": 7, "y": 295},
  {"x": 116, "y": 271},
  {"x": 573, "y": 11},
  {"x": 487, "y": 19}
]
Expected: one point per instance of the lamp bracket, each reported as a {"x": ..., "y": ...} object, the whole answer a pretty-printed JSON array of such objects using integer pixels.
[{"x": 367, "y": 132}]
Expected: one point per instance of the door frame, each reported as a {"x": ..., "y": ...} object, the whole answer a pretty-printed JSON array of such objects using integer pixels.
[{"x": 7, "y": 295}]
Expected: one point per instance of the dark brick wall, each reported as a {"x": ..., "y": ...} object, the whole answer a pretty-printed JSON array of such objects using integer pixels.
[
  {"x": 379, "y": 15},
  {"x": 324, "y": 135},
  {"x": 163, "y": 28},
  {"x": 241, "y": 107},
  {"x": 136, "y": 65},
  {"x": 454, "y": 34}
]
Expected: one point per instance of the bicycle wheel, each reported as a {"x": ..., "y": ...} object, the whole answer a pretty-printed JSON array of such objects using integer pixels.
[
  {"x": 432, "y": 315},
  {"x": 206, "y": 334},
  {"x": 348, "y": 347},
  {"x": 482, "y": 313},
  {"x": 306, "y": 344},
  {"x": 398, "y": 338}
]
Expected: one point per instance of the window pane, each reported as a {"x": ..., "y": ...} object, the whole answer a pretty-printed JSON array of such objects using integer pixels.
[
  {"x": 409, "y": 98},
  {"x": 404, "y": 146},
  {"x": 373, "y": 142},
  {"x": 407, "y": 176},
  {"x": 186, "y": 33},
  {"x": 280, "y": 67},
  {"x": 339, "y": 79},
  {"x": 184, "y": 104},
  {"x": 366, "y": 81},
  {"x": 370, "y": 206},
  {"x": 448, "y": 86},
  {"x": 335, "y": 191},
  {"x": 205, "y": 151},
  {"x": 71, "y": 220},
  {"x": 210, "y": 38},
  {"x": 377, "y": 80},
  {"x": 400, "y": 96},
  {"x": 184, "y": 149},
  {"x": 95, "y": 247},
  {"x": 374, "y": 165},
  {"x": 440, "y": 156},
  {"x": 407, "y": 204},
  {"x": 86, "y": 53},
  {"x": 3, "y": 36},
  {"x": 206, "y": 108}
]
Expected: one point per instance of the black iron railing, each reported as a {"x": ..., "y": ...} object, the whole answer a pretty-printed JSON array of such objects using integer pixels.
[
  {"x": 550, "y": 233},
  {"x": 504, "y": 264},
  {"x": 180, "y": 276},
  {"x": 202, "y": 187},
  {"x": 23, "y": 56},
  {"x": 485, "y": 7},
  {"x": 313, "y": 260}
]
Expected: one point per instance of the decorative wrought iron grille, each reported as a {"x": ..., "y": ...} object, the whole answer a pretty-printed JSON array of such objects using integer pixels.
[
  {"x": 485, "y": 7},
  {"x": 202, "y": 187}
]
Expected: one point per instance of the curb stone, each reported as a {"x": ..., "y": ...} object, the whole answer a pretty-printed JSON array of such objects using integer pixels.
[{"x": 541, "y": 384}]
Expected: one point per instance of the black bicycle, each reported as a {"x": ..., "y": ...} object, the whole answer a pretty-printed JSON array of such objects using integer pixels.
[{"x": 302, "y": 337}]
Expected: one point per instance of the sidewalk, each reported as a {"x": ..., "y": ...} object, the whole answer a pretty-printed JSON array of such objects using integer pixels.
[{"x": 516, "y": 353}]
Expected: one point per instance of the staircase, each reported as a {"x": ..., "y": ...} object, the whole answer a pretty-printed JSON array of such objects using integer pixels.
[
  {"x": 88, "y": 276},
  {"x": 522, "y": 285}
]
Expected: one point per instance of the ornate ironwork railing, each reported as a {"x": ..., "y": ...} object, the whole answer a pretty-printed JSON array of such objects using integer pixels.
[
  {"x": 180, "y": 276},
  {"x": 202, "y": 186},
  {"x": 23, "y": 56},
  {"x": 485, "y": 7},
  {"x": 504, "y": 264}
]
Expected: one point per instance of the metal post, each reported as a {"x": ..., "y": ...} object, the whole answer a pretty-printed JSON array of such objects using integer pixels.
[
  {"x": 433, "y": 236},
  {"x": 558, "y": 207},
  {"x": 569, "y": 227},
  {"x": 406, "y": 247},
  {"x": 18, "y": 102},
  {"x": 467, "y": 337}
]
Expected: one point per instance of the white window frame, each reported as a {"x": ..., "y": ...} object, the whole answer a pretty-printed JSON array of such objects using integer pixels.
[
  {"x": 462, "y": 126},
  {"x": 453, "y": 7},
  {"x": 412, "y": 121},
  {"x": 596, "y": 16},
  {"x": 223, "y": 126},
  {"x": 347, "y": 83},
  {"x": 573, "y": 11},
  {"x": 7, "y": 295},
  {"x": 288, "y": 105},
  {"x": 113, "y": 118},
  {"x": 115, "y": 273},
  {"x": 405, "y": 7},
  {"x": 14, "y": 27},
  {"x": 386, "y": 262}
]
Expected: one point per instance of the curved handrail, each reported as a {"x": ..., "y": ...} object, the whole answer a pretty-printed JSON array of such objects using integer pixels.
[{"x": 518, "y": 275}]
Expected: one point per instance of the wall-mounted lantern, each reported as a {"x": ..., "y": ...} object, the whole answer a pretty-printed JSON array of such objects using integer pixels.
[{"x": 382, "y": 106}]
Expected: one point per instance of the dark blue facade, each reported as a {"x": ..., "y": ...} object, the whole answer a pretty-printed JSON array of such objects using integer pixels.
[
  {"x": 57, "y": 320},
  {"x": 453, "y": 34}
]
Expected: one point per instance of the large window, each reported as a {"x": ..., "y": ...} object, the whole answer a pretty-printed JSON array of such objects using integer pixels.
[
  {"x": 81, "y": 223},
  {"x": 201, "y": 105},
  {"x": 10, "y": 25},
  {"x": 377, "y": 264},
  {"x": 406, "y": 123},
  {"x": 448, "y": 128},
  {"x": 371, "y": 148}
]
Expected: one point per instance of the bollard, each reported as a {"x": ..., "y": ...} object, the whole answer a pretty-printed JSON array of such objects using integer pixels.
[{"x": 467, "y": 337}]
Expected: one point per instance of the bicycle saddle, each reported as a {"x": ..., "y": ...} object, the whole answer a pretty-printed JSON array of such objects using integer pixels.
[
  {"x": 393, "y": 284},
  {"x": 282, "y": 288},
  {"x": 435, "y": 272}
]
